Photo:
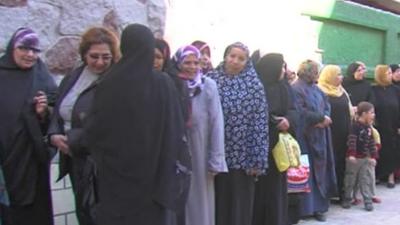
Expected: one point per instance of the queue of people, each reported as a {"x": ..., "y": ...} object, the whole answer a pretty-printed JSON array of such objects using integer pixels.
[{"x": 147, "y": 138}]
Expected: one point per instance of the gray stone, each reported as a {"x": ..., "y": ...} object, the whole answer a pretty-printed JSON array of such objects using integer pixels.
[
  {"x": 156, "y": 17},
  {"x": 128, "y": 12},
  {"x": 79, "y": 15},
  {"x": 13, "y": 3},
  {"x": 43, "y": 18},
  {"x": 11, "y": 19},
  {"x": 111, "y": 21},
  {"x": 63, "y": 56}
]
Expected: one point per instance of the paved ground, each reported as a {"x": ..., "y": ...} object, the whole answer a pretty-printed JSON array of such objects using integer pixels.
[{"x": 385, "y": 213}]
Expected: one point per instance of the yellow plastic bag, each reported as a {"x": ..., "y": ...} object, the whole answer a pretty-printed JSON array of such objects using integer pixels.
[{"x": 286, "y": 152}]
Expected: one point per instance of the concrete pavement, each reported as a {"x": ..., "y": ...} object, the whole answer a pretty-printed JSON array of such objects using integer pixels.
[{"x": 385, "y": 213}]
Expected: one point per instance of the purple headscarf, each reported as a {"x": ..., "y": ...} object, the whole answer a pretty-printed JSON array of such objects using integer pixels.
[
  {"x": 26, "y": 37},
  {"x": 178, "y": 58}
]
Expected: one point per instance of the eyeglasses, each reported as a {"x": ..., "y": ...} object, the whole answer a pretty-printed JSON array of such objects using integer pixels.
[
  {"x": 27, "y": 49},
  {"x": 104, "y": 57}
]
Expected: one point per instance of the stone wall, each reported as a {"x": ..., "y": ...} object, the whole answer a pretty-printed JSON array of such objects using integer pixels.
[{"x": 60, "y": 23}]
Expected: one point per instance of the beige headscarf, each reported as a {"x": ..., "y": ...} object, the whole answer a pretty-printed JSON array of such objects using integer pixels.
[
  {"x": 381, "y": 78},
  {"x": 326, "y": 83}
]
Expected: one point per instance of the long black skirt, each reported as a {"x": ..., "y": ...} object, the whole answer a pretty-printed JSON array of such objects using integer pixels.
[
  {"x": 271, "y": 198},
  {"x": 234, "y": 194}
]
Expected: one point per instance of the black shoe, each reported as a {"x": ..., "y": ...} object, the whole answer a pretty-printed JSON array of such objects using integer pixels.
[
  {"x": 319, "y": 216},
  {"x": 390, "y": 185},
  {"x": 346, "y": 204},
  {"x": 369, "y": 207}
]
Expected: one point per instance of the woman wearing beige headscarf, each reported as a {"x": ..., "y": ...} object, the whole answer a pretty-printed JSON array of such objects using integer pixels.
[
  {"x": 330, "y": 82},
  {"x": 387, "y": 122}
]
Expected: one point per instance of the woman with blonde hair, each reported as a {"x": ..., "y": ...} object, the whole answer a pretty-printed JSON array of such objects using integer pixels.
[
  {"x": 387, "y": 110},
  {"x": 330, "y": 82},
  {"x": 99, "y": 49}
]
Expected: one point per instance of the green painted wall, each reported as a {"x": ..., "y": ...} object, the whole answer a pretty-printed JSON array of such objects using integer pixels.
[{"x": 351, "y": 32}]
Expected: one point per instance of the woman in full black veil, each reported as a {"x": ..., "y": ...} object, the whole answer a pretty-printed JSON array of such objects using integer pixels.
[{"x": 137, "y": 139}]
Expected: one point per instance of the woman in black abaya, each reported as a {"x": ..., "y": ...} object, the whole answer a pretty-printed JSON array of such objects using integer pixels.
[
  {"x": 271, "y": 197},
  {"x": 136, "y": 135},
  {"x": 26, "y": 89}
]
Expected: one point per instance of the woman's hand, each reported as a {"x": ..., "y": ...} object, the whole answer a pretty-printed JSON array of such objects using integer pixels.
[
  {"x": 372, "y": 161},
  {"x": 40, "y": 104},
  {"x": 352, "y": 159},
  {"x": 60, "y": 141},
  {"x": 283, "y": 124}
]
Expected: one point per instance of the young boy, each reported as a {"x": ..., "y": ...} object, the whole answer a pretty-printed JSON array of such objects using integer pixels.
[{"x": 361, "y": 157}]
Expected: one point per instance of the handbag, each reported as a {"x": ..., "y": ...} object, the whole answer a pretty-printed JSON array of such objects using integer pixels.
[
  {"x": 297, "y": 177},
  {"x": 286, "y": 152}
]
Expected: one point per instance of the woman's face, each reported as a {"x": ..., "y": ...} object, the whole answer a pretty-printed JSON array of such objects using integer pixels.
[
  {"x": 24, "y": 57},
  {"x": 98, "y": 58},
  {"x": 158, "y": 60},
  {"x": 190, "y": 66},
  {"x": 396, "y": 75},
  {"x": 360, "y": 72},
  {"x": 338, "y": 80},
  {"x": 204, "y": 60},
  {"x": 235, "y": 61}
]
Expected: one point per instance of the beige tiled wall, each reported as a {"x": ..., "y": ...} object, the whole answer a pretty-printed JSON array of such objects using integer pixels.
[{"x": 63, "y": 199}]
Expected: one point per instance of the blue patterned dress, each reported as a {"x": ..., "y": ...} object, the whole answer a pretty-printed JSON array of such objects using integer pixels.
[
  {"x": 246, "y": 143},
  {"x": 245, "y": 115}
]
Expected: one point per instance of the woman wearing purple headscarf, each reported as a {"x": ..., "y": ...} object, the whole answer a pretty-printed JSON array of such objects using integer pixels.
[
  {"x": 206, "y": 137},
  {"x": 205, "y": 60},
  {"x": 26, "y": 90},
  {"x": 246, "y": 135}
]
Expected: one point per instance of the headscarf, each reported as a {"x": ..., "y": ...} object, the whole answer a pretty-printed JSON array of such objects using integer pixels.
[
  {"x": 394, "y": 67},
  {"x": 245, "y": 116},
  {"x": 349, "y": 79},
  {"x": 163, "y": 47},
  {"x": 204, "y": 48},
  {"x": 325, "y": 82},
  {"x": 19, "y": 86},
  {"x": 381, "y": 78},
  {"x": 238, "y": 45},
  {"x": 326, "y": 79},
  {"x": 136, "y": 132},
  {"x": 18, "y": 120},
  {"x": 26, "y": 37},
  {"x": 178, "y": 58},
  {"x": 269, "y": 67},
  {"x": 306, "y": 71}
]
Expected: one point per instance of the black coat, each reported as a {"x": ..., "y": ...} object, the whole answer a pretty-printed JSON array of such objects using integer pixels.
[
  {"x": 80, "y": 166},
  {"x": 24, "y": 155},
  {"x": 76, "y": 140}
]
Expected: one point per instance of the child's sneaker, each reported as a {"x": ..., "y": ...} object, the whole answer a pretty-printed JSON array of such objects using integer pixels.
[
  {"x": 356, "y": 201},
  {"x": 369, "y": 206},
  {"x": 376, "y": 200}
]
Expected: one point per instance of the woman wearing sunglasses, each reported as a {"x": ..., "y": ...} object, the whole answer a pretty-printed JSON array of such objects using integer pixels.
[{"x": 98, "y": 50}]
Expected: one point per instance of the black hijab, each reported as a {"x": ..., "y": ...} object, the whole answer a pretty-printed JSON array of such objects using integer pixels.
[
  {"x": 23, "y": 153},
  {"x": 136, "y": 132},
  {"x": 269, "y": 68},
  {"x": 18, "y": 87},
  {"x": 163, "y": 47},
  {"x": 349, "y": 79}
]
